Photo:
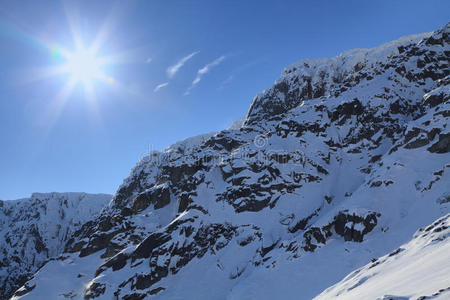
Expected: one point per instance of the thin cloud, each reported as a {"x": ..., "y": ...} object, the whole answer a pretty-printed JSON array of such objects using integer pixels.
[
  {"x": 209, "y": 66},
  {"x": 172, "y": 70},
  {"x": 226, "y": 81},
  {"x": 160, "y": 86},
  {"x": 206, "y": 69},
  {"x": 238, "y": 70},
  {"x": 148, "y": 60}
]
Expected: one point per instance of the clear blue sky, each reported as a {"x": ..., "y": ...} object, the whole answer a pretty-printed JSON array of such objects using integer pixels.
[{"x": 78, "y": 142}]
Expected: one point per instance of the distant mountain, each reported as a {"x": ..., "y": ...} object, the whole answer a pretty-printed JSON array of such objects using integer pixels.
[
  {"x": 34, "y": 229},
  {"x": 336, "y": 164}
]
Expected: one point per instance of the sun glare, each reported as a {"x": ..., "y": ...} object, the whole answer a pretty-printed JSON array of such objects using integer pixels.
[{"x": 83, "y": 66}]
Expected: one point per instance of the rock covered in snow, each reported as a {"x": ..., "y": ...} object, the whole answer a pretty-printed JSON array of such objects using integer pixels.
[
  {"x": 416, "y": 270},
  {"x": 34, "y": 229}
]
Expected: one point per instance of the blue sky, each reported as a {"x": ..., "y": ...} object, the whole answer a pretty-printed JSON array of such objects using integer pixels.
[{"x": 177, "y": 69}]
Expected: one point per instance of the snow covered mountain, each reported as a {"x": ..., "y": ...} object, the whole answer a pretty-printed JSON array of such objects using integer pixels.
[
  {"x": 339, "y": 162},
  {"x": 417, "y": 270},
  {"x": 34, "y": 229}
]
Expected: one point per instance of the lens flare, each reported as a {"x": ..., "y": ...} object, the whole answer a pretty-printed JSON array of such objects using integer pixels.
[
  {"x": 84, "y": 64},
  {"x": 56, "y": 52}
]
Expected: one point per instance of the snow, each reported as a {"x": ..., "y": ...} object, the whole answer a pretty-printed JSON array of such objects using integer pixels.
[
  {"x": 69, "y": 276},
  {"x": 346, "y": 61},
  {"x": 420, "y": 268}
]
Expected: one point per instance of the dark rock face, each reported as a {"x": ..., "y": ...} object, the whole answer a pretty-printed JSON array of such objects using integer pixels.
[
  {"x": 149, "y": 244},
  {"x": 24, "y": 289},
  {"x": 159, "y": 197},
  {"x": 435, "y": 99},
  {"x": 346, "y": 110},
  {"x": 95, "y": 290},
  {"x": 352, "y": 233},
  {"x": 442, "y": 145},
  {"x": 98, "y": 242},
  {"x": 351, "y": 227}
]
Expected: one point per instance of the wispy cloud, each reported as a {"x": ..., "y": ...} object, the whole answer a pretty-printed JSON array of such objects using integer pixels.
[
  {"x": 226, "y": 81},
  {"x": 209, "y": 66},
  {"x": 203, "y": 71},
  {"x": 238, "y": 70},
  {"x": 172, "y": 70},
  {"x": 160, "y": 86},
  {"x": 148, "y": 60}
]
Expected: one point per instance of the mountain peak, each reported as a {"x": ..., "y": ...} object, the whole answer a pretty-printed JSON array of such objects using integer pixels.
[{"x": 329, "y": 77}]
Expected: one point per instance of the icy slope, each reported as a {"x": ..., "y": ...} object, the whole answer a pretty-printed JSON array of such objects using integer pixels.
[
  {"x": 37, "y": 228},
  {"x": 419, "y": 269},
  {"x": 340, "y": 161}
]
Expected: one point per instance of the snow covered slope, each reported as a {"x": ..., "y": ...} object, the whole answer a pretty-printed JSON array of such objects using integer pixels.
[
  {"x": 340, "y": 161},
  {"x": 419, "y": 269},
  {"x": 34, "y": 229}
]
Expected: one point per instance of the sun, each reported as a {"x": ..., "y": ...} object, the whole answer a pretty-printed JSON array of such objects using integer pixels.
[
  {"x": 84, "y": 66},
  {"x": 84, "y": 60}
]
